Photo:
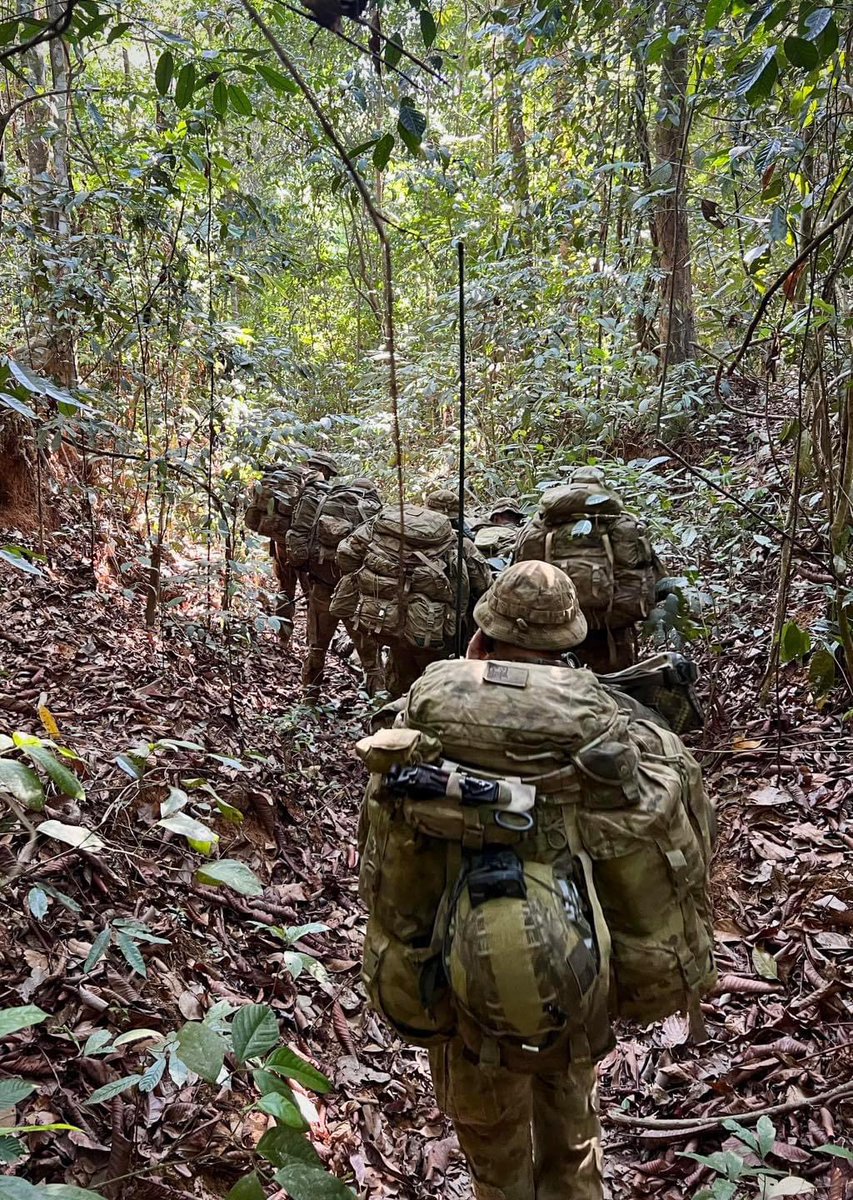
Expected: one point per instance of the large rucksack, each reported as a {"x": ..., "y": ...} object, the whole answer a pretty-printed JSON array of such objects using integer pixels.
[
  {"x": 342, "y": 508},
  {"x": 272, "y": 501},
  {"x": 302, "y": 523},
  {"x": 582, "y": 527},
  {"x": 615, "y": 808},
  {"x": 399, "y": 579}
]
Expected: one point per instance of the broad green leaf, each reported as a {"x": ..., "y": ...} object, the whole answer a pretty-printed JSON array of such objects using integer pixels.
[
  {"x": 247, "y": 1188},
  {"x": 254, "y": 1031},
  {"x": 835, "y": 1151},
  {"x": 281, "y": 1145},
  {"x": 789, "y": 1186},
  {"x": 13, "y": 1090},
  {"x": 815, "y": 22},
  {"x": 153, "y": 1075},
  {"x": 99, "y": 949},
  {"x": 21, "y": 782},
  {"x": 284, "y": 1110},
  {"x": 202, "y": 1050},
  {"x": 288, "y": 1063},
  {"x": 822, "y": 671},
  {"x": 174, "y": 802},
  {"x": 220, "y": 97},
  {"x": 241, "y": 104},
  {"x": 134, "y": 769},
  {"x": 16, "y": 1189},
  {"x": 185, "y": 85},
  {"x": 275, "y": 79},
  {"x": 137, "y": 1035},
  {"x": 37, "y": 902},
  {"x": 715, "y": 11},
  {"x": 801, "y": 53},
  {"x": 393, "y": 50},
  {"x": 97, "y": 1041},
  {"x": 15, "y": 558},
  {"x": 757, "y": 80},
  {"x": 197, "y": 834},
  {"x": 382, "y": 151},
  {"x": 131, "y": 953},
  {"x": 778, "y": 231},
  {"x": 292, "y": 933},
  {"x": 64, "y": 779},
  {"x": 266, "y": 1082},
  {"x": 312, "y": 1183},
  {"x": 765, "y": 1132},
  {"x": 17, "y": 405},
  {"x": 74, "y": 835},
  {"x": 22, "y": 1017},
  {"x": 428, "y": 27},
  {"x": 228, "y": 812},
  {"x": 764, "y": 963},
  {"x": 412, "y": 120},
  {"x": 110, "y": 1090},
  {"x": 164, "y": 71},
  {"x": 11, "y": 1150},
  {"x": 231, "y": 873},
  {"x": 794, "y": 642}
]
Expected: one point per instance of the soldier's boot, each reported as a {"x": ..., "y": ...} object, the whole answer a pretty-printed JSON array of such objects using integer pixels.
[
  {"x": 284, "y": 609},
  {"x": 312, "y": 675}
]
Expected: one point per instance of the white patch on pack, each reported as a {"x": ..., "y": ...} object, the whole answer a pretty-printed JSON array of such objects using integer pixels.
[{"x": 506, "y": 674}]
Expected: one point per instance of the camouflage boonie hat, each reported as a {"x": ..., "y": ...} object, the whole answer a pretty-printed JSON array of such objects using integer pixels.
[
  {"x": 505, "y": 504},
  {"x": 322, "y": 461},
  {"x": 532, "y": 605},
  {"x": 587, "y": 475},
  {"x": 443, "y": 501}
]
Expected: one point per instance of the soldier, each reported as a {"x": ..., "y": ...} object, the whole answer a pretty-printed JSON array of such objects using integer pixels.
[
  {"x": 342, "y": 509},
  {"x": 479, "y": 575},
  {"x": 320, "y": 465},
  {"x": 496, "y": 536},
  {"x": 583, "y": 528},
  {"x": 493, "y": 906}
]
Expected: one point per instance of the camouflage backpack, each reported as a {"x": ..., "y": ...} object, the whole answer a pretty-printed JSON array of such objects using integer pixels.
[
  {"x": 597, "y": 835},
  {"x": 298, "y": 541},
  {"x": 342, "y": 509},
  {"x": 582, "y": 527},
  {"x": 272, "y": 501},
  {"x": 496, "y": 543},
  {"x": 400, "y": 579}
]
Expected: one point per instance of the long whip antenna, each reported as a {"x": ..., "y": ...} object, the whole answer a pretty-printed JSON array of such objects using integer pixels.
[{"x": 460, "y": 540}]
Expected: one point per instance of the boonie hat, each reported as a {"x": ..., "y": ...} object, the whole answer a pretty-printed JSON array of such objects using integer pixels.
[
  {"x": 505, "y": 504},
  {"x": 532, "y": 605},
  {"x": 444, "y": 501}
]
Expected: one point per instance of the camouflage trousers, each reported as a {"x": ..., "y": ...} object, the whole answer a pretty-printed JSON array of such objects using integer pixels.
[
  {"x": 406, "y": 663},
  {"x": 526, "y": 1137},
  {"x": 321, "y": 630},
  {"x": 604, "y": 651},
  {"x": 288, "y": 578}
]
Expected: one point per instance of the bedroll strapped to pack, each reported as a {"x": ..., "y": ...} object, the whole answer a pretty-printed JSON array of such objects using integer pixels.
[
  {"x": 663, "y": 683},
  {"x": 272, "y": 501},
  {"x": 617, "y": 814},
  {"x": 582, "y": 528},
  {"x": 400, "y": 582}
]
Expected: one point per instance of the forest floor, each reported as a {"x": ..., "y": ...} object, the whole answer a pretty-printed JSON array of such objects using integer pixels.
[{"x": 780, "y": 1025}]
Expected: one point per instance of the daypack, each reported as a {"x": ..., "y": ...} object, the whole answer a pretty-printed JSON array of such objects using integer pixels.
[
  {"x": 582, "y": 527},
  {"x": 272, "y": 501},
  {"x": 399, "y": 581},
  {"x": 617, "y": 811},
  {"x": 341, "y": 510}
]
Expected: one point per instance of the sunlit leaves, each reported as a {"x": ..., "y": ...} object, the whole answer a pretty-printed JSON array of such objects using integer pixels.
[
  {"x": 185, "y": 85},
  {"x": 164, "y": 71},
  {"x": 756, "y": 81},
  {"x": 382, "y": 151},
  {"x": 411, "y": 125}
]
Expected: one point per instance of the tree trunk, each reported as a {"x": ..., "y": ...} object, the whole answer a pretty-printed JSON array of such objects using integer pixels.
[
  {"x": 677, "y": 327},
  {"x": 517, "y": 139}
]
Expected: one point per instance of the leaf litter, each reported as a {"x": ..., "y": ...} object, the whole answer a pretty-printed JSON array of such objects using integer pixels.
[{"x": 780, "y": 1024}]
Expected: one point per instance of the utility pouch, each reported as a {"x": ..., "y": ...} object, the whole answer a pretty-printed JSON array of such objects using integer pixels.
[{"x": 495, "y": 875}]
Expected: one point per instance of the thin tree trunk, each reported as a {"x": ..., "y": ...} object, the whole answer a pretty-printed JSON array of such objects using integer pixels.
[
  {"x": 677, "y": 326},
  {"x": 517, "y": 140}
]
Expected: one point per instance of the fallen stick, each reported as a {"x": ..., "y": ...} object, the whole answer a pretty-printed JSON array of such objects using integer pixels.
[{"x": 703, "y": 1124}]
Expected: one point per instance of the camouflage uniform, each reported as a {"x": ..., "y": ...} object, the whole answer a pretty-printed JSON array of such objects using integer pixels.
[
  {"x": 496, "y": 534},
  {"x": 479, "y": 572},
  {"x": 321, "y": 628},
  {"x": 526, "y": 1137},
  {"x": 288, "y": 576}
]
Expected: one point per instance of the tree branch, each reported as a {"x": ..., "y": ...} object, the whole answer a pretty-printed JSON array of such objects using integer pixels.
[{"x": 53, "y": 29}]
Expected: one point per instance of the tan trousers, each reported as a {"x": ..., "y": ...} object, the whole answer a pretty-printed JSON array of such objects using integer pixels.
[
  {"x": 288, "y": 577},
  {"x": 321, "y": 630},
  {"x": 603, "y": 653},
  {"x": 526, "y": 1137},
  {"x": 406, "y": 663}
]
